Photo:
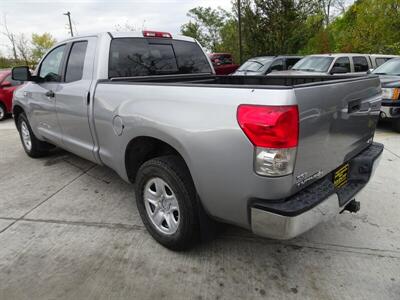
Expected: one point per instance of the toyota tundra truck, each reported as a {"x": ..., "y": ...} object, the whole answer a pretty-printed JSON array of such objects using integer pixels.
[{"x": 276, "y": 155}]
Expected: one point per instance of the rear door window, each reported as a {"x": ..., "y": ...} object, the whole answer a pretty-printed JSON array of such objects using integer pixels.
[
  {"x": 76, "y": 62},
  {"x": 360, "y": 64},
  {"x": 143, "y": 57},
  {"x": 343, "y": 62}
]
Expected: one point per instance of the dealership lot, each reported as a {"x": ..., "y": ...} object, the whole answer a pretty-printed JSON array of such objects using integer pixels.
[{"x": 70, "y": 230}]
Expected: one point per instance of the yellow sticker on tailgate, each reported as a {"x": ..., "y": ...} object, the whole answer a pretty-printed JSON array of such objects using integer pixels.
[{"x": 340, "y": 176}]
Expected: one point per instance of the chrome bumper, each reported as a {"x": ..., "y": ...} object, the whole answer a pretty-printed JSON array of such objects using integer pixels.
[{"x": 271, "y": 225}]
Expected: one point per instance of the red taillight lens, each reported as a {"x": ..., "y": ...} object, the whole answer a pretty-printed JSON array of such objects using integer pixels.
[
  {"x": 157, "y": 34},
  {"x": 270, "y": 126}
]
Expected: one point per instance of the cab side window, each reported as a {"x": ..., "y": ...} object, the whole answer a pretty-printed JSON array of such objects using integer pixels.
[
  {"x": 76, "y": 62},
  {"x": 343, "y": 62},
  {"x": 277, "y": 65},
  {"x": 360, "y": 64},
  {"x": 50, "y": 69}
]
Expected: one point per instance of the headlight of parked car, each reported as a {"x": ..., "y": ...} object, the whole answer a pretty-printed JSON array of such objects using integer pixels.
[{"x": 391, "y": 93}]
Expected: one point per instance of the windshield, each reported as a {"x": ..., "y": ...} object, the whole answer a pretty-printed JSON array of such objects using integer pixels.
[
  {"x": 255, "y": 65},
  {"x": 313, "y": 64},
  {"x": 391, "y": 67}
]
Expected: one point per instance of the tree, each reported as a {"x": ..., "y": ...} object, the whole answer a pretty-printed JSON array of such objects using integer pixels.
[
  {"x": 40, "y": 44},
  {"x": 24, "y": 50},
  {"x": 10, "y": 36},
  {"x": 193, "y": 30},
  {"x": 206, "y": 26}
]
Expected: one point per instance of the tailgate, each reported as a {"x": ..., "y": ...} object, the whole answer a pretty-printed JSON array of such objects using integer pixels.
[{"x": 337, "y": 121}]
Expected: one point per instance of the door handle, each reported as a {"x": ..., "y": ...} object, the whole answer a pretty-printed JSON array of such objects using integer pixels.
[
  {"x": 354, "y": 106},
  {"x": 50, "y": 94}
]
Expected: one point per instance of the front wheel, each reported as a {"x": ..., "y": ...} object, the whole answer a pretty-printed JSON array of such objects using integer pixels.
[
  {"x": 166, "y": 200},
  {"x": 32, "y": 146}
]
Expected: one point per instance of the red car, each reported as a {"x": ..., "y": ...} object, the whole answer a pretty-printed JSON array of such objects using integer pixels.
[
  {"x": 223, "y": 63},
  {"x": 7, "y": 88}
]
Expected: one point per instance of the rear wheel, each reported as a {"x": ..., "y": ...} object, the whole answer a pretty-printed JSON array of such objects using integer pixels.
[
  {"x": 3, "y": 112},
  {"x": 166, "y": 200},
  {"x": 396, "y": 125},
  {"x": 32, "y": 146}
]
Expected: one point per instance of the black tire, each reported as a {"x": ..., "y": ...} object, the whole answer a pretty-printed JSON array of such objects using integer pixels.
[
  {"x": 38, "y": 148},
  {"x": 173, "y": 171},
  {"x": 3, "y": 112},
  {"x": 396, "y": 125}
]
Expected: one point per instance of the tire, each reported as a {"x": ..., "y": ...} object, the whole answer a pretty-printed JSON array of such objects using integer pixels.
[
  {"x": 164, "y": 180},
  {"x": 32, "y": 146},
  {"x": 396, "y": 125},
  {"x": 3, "y": 112}
]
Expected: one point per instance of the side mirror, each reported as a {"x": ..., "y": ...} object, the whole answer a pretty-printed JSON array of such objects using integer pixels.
[
  {"x": 21, "y": 74},
  {"x": 6, "y": 84},
  {"x": 339, "y": 70},
  {"x": 370, "y": 71}
]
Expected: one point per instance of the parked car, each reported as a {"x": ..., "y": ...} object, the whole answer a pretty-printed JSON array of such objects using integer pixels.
[
  {"x": 223, "y": 63},
  {"x": 389, "y": 74},
  {"x": 332, "y": 64},
  {"x": 7, "y": 88},
  {"x": 197, "y": 145},
  {"x": 379, "y": 59},
  {"x": 266, "y": 64}
]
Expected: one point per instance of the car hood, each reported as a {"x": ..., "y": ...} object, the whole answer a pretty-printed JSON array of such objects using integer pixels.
[
  {"x": 388, "y": 81},
  {"x": 298, "y": 73}
]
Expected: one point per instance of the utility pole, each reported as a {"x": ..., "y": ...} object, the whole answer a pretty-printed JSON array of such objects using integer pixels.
[
  {"x": 240, "y": 32},
  {"x": 68, "y": 14}
]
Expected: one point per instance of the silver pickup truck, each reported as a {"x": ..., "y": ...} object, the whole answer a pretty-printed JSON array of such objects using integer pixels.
[{"x": 276, "y": 155}]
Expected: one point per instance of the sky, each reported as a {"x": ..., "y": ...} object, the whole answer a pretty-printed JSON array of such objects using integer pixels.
[{"x": 92, "y": 16}]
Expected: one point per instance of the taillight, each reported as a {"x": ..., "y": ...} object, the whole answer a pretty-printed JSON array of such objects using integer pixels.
[
  {"x": 274, "y": 131},
  {"x": 157, "y": 34}
]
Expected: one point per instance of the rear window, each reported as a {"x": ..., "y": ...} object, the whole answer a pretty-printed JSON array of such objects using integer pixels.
[{"x": 143, "y": 57}]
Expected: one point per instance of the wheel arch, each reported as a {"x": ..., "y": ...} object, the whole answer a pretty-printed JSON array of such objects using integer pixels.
[
  {"x": 17, "y": 111},
  {"x": 143, "y": 148}
]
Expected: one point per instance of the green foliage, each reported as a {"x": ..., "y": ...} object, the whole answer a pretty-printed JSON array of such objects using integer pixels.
[
  {"x": 206, "y": 27},
  {"x": 268, "y": 27},
  {"x": 40, "y": 44},
  {"x": 272, "y": 27},
  {"x": 7, "y": 63},
  {"x": 368, "y": 26}
]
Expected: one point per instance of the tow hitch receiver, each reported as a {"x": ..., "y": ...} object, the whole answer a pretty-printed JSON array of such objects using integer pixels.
[{"x": 353, "y": 206}]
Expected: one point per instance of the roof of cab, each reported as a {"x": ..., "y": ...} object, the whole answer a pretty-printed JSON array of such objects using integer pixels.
[{"x": 130, "y": 34}]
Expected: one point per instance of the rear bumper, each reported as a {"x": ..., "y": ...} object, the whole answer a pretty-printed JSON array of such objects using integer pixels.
[{"x": 317, "y": 203}]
